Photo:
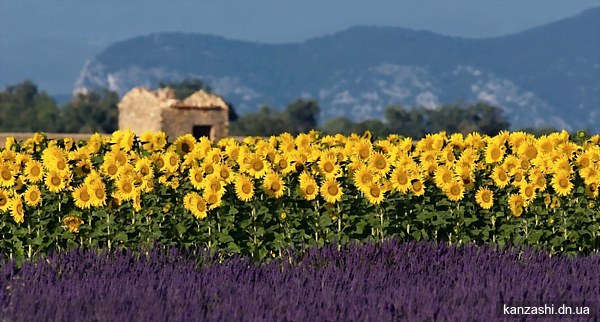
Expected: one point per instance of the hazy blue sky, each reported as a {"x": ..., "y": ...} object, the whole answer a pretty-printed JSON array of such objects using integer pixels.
[{"x": 41, "y": 38}]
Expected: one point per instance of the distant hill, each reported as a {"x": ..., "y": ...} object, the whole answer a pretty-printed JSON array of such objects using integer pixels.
[{"x": 547, "y": 76}]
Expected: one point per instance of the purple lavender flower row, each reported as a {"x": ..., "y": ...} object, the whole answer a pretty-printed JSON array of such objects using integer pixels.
[{"x": 390, "y": 281}]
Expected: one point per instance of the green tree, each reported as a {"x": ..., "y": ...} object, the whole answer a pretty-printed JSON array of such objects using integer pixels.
[
  {"x": 23, "y": 108},
  {"x": 406, "y": 122},
  {"x": 95, "y": 111},
  {"x": 263, "y": 123},
  {"x": 490, "y": 120},
  {"x": 302, "y": 116}
]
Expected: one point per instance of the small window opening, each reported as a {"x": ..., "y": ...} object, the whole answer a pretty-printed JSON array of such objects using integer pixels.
[{"x": 199, "y": 131}]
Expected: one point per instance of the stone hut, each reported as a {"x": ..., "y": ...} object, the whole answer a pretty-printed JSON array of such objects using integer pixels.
[{"x": 201, "y": 114}]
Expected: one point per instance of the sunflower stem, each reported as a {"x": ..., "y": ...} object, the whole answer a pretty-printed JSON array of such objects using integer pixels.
[
  {"x": 493, "y": 229},
  {"x": 316, "y": 223},
  {"x": 29, "y": 252},
  {"x": 380, "y": 222},
  {"x": 90, "y": 224},
  {"x": 108, "y": 225}
]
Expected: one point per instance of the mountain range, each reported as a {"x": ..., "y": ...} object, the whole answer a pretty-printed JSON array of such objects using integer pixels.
[{"x": 548, "y": 76}]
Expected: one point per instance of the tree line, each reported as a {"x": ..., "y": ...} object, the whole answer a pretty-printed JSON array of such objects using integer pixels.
[{"x": 24, "y": 108}]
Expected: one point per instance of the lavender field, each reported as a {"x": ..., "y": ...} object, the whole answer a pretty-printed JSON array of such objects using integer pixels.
[{"x": 390, "y": 281}]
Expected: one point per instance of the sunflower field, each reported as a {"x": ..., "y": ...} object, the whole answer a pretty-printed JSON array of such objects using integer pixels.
[{"x": 265, "y": 196}]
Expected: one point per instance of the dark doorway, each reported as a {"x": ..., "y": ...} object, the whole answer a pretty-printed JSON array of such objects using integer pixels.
[{"x": 199, "y": 131}]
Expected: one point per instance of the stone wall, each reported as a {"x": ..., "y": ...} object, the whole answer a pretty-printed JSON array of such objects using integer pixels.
[
  {"x": 145, "y": 110},
  {"x": 141, "y": 109},
  {"x": 180, "y": 121}
]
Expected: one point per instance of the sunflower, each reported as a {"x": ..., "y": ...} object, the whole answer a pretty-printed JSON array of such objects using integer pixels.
[
  {"x": 447, "y": 155},
  {"x": 561, "y": 183},
  {"x": 484, "y": 198},
  {"x": 232, "y": 151},
  {"x": 4, "y": 200},
  {"x": 590, "y": 174},
  {"x": 32, "y": 196},
  {"x": 518, "y": 178},
  {"x": 555, "y": 202},
  {"x": 244, "y": 188},
  {"x": 225, "y": 174},
  {"x": 527, "y": 150},
  {"x": 126, "y": 170},
  {"x": 547, "y": 199},
  {"x": 16, "y": 210},
  {"x": 137, "y": 202},
  {"x": 83, "y": 167},
  {"x": 538, "y": 179},
  {"x": 524, "y": 164},
  {"x": 82, "y": 197},
  {"x": 500, "y": 177},
  {"x": 591, "y": 190},
  {"x": 33, "y": 171},
  {"x": 110, "y": 168},
  {"x": 209, "y": 167},
  {"x": 309, "y": 189},
  {"x": 475, "y": 140},
  {"x": 72, "y": 222},
  {"x": 117, "y": 156},
  {"x": 331, "y": 191},
  {"x": 92, "y": 178},
  {"x": 584, "y": 160},
  {"x": 303, "y": 177},
  {"x": 94, "y": 143},
  {"x": 195, "y": 204},
  {"x": 455, "y": 191},
  {"x": 562, "y": 165},
  {"x": 143, "y": 166},
  {"x": 196, "y": 177},
  {"x": 493, "y": 153},
  {"x": 527, "y": 190},
  {"x": 339, "y": 153},
  {"x": 427, "y": 157},
  {"x": 53, "y": 158},
  {"x": 400, "y": 180},
  {"x": 363, "y": 177},
  {"x": 428, "y": 169},
  {"x": 374, "y": 194},
  {"x": 511, "y": 164},
  {"x": 170, "y": 162},
  {"x": 329, "y": 168},
  {"x": 362, "y": 149},
  {"x": 466, "y": 176},
  {"x": 97, "y": 194},
  {"x": 147, "y": 140},
  {"x": 516, "y": 202},
  {"x": 443, "y": 177},
  {"x": 379, "y": 163},
  {"x": 184, "y": 144},
  {"x": 214, "y": 184},
  {"x": 273, "y": 185},
  {"x": 188, "y": 200},
  {"x": 7, "y": 176},
  {"x": 256, "y": 166},
  {"x": 55, "y": 182},
  {"x": 212, "y": 198},
  {"x": 125, "y": 189},
  {"x": 417, "y": 187},
  {"x": 544, "y": 144},
  {"x": 157, "y": 159}
]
